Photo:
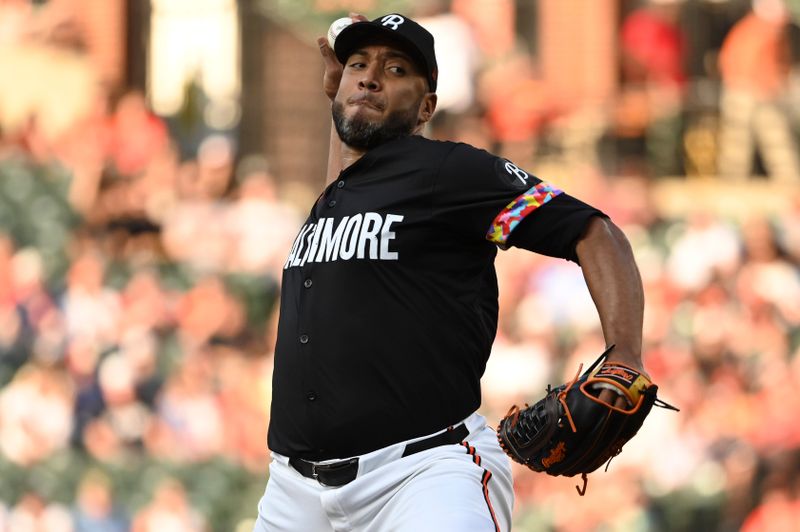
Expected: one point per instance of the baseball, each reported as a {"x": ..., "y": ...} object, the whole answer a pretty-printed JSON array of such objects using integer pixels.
[{"x": 336, "y": 28}]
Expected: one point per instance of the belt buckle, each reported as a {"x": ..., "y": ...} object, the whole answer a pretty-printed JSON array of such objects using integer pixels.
[{"x": 325, "y": 469}]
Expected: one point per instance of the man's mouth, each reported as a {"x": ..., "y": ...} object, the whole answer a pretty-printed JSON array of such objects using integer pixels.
[{"x": 365, "y": 101}]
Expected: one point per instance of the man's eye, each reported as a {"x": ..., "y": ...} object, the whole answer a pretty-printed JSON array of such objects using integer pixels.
[
  {"x": 357, "y": 65},
  {"x": 397, "y": 70}
]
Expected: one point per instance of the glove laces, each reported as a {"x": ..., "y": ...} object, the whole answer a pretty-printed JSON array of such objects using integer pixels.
[{"x": 562, "y": 398}]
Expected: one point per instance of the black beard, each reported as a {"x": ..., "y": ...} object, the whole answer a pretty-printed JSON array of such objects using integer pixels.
[{"x": 363, "y": 134}]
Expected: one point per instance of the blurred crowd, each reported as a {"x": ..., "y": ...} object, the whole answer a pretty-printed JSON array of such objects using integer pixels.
[
  {"x": 722, "y": 339},
  {"x": 702, "y": 88},
  {"x": 138, "y": 288}
]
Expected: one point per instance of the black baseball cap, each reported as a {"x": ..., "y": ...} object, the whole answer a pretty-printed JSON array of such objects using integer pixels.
[{"x": 395, "y": 26}]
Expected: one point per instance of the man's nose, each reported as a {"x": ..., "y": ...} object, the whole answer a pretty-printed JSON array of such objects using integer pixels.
[{"x": 369, "y": 80}]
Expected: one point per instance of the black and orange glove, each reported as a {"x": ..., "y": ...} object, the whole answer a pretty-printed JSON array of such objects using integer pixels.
[{"x": 571, "y": 431}]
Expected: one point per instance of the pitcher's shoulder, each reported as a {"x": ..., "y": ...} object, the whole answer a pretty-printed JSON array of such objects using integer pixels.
[{"x": 444, "y": 148}]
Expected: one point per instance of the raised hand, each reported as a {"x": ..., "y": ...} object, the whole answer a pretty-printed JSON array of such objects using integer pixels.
[{"x": 333, "y": 68}]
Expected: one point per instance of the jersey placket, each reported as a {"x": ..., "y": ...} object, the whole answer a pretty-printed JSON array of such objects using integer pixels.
[
  {"x": 310, "y": 343},
  {"x": 306, "y": 339}
]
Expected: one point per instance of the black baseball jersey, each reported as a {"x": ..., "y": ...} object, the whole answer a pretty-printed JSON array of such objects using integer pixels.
[{"x": 389, "y": 295}]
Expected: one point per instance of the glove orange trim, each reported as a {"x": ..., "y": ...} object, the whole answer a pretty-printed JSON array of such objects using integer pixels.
[
  {"x": 562, "y": 398},
  {"x": 633, "y": 410},
  {"x": 565, "y": 434}
]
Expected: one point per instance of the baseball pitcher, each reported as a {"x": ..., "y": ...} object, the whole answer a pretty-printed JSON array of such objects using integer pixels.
[{"x": 389, "y": 308}]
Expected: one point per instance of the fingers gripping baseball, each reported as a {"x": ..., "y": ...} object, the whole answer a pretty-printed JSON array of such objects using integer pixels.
[
  {"x": 333, "y": 68},
  {"x": 613, "y": 398}
]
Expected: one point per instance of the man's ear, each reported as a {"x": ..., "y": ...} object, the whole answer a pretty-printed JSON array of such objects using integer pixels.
[{"x": 426, "y": 108}]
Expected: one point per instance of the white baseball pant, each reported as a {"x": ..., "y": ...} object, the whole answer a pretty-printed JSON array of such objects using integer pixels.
[{"x": 463, "y": 487}]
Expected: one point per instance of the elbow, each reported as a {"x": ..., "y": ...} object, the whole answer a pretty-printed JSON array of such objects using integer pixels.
[
  {"x": 608, "y": 262},
  {"x": 602, "y": 240}
]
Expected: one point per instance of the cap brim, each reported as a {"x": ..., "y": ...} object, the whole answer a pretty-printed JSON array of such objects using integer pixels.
[{"x": 357, "y": 33}]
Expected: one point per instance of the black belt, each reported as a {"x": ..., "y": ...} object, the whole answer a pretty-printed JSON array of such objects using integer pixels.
[{"x": 340, "y": 473}]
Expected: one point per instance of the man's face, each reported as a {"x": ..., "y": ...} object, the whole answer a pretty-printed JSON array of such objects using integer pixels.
[{"x": 382, "y": 96}]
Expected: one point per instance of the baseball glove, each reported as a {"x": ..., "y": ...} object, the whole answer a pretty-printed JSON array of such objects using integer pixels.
[{"x": 570, "y": 431}]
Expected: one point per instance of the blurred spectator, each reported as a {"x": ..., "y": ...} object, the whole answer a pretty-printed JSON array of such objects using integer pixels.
[
  {"x": 707, "y": 247},
  {"x": 492, "y": 24},
  {"x": 44, "y": 321},
  {"x": 13, "y": 18},
  {"x": 199, "y": 214},
  {"x": 95, "y": 508},
  {"x": 754, "y": 64},
  {"x": 35, "y": 414},
  {"x": 91, "y": 308},
  {"x": 244, "y": 400},
  {"x": 30, "y": 107},
  {"x": 519, "y": 105},
  {"x": 457, "y": 53},
  {"x": 768, "y": 276},
  {"x": 169, "y": 511},
  {"x": 653, "y": 49},
  {"x": 790, "y": 230},
  {"x": 33, "y": 514},
  {"x": 118, "y": 431},
  {"x": 653, "y": 45},
  {"x": 778, "y": 513},
  {"x": 145, "y": 305},
  {"x": 16, "y": 337},
  {"x": 209, "y": 311},
  {"x": 190, "y": 424},
  {"x": 261, "y": 226},
  {"x": 137, "y": 135}
]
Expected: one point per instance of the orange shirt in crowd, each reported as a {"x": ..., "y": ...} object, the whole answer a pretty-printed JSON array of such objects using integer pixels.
[
  {"x": 755, "y": 56},
  {"x": 778, "y": 513}
]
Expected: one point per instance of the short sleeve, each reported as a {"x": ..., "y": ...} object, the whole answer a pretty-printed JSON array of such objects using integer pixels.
[
  {"x": 485, "y": 196},
  {"x": 482, "y": 196},
  {"x": 555, "y": 230}
]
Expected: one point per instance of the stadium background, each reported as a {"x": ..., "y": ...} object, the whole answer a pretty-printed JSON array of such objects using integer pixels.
[{"x": 157, "y": 157}]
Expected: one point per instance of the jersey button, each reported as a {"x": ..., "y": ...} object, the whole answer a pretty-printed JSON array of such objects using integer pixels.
[
  {"x": 311, "y": 396},
  {"x": 340, "y": 184},
  {"x": 332, "y": 203},
  {"x": 303, "y": 338},
  {"x": 307, "y": 283}
]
